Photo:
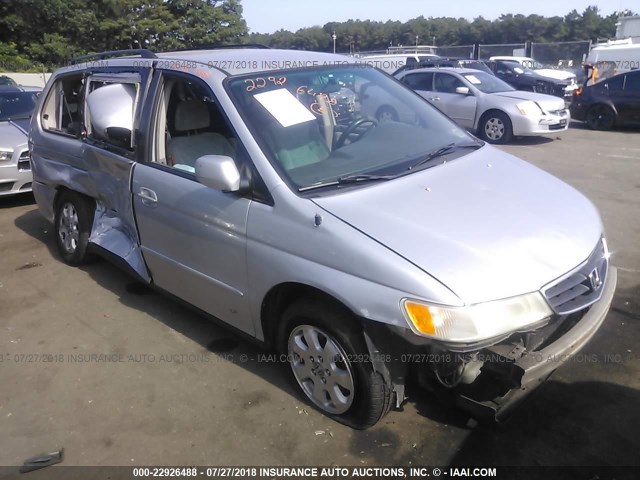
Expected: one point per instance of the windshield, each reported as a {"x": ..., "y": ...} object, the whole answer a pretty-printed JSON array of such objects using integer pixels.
[
  {"x": 532, "y": 64},
  {"x": 16, "y": 105},
  {"x": 319, "y": 125},
  {"x": 520, "y": 69},
  {"x": 487, "y": 83},
  {"x": 476, "y": 65}
]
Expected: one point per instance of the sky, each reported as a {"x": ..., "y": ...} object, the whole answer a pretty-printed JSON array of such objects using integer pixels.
[{"x": 267, "y": 16}]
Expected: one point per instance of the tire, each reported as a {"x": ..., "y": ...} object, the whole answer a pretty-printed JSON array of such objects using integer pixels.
[
  {"x": 321, "y": 343},
  {"x": 495, "y": 127},
  {"x": 601, "y": 117},
  {"x": 73, "y": 222},
  {"x": 386, "y": 114}
]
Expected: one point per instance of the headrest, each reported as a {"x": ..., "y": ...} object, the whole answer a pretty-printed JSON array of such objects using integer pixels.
[{"x": 191, "y": 115}]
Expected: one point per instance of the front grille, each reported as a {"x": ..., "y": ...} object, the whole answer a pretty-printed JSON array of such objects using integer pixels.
[
  {"x": 580, "y": 288},
  {"x": 543, "y": 87},
  {"x": 23, "y": 162}
]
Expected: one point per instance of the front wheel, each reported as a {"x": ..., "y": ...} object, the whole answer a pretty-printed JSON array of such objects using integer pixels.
[
  {"x": 73, "y": 222},
  {"x": 495, "y": 127},
  {"x": 329, "y": 362},
  {"x": 600, "y": 117}
]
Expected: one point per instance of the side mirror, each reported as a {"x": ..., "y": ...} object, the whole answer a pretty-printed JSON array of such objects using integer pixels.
[
  {"x": 219, "y": 172},
  {"x": 110, "y": 110},
  {"x": 462, "y": 90}
]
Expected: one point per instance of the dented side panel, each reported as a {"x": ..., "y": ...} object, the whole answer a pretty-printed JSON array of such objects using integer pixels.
[
  {"x": 114, "y": 227},
  {"x": 62, "y": 161}
]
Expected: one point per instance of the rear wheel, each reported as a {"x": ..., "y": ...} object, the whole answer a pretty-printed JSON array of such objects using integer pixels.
[
  {"x": 73, "y": 222},
  {"x": 329, "y": 362},
  {"x": 495, "y": 127},
  {"x": 601, "y": 117}
]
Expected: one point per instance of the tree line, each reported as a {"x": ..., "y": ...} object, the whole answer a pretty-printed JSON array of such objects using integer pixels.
[
  {"x": 365, "y": 35},
  {"x": 42, "y": 34},
  {"x": 48, "y": 33}
]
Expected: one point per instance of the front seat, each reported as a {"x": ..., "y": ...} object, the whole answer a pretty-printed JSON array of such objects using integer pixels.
[{"x": 189, "y": 142}]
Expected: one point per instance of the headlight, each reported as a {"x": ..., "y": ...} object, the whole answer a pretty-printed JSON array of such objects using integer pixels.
[
  {"x": 5, "y": 155},
  {"x": 476, "y": 322},
  {"x": 529, "y": 108}
]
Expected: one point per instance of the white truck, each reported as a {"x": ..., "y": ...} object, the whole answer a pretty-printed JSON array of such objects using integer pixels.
[{"x": 613, "y": 57}]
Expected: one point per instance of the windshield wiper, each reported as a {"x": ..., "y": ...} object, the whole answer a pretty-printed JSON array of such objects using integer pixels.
[
  {"x": 451, "y": 147},
  {"x": 347, "y": 179}
]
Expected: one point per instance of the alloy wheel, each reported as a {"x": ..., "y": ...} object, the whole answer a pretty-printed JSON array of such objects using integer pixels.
[
  {"x": 69, "y": 227},
  {"x": 321, "y": 369}
]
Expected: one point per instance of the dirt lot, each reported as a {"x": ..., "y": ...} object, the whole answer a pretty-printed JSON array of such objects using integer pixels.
[{"x": 190, "y": 392}]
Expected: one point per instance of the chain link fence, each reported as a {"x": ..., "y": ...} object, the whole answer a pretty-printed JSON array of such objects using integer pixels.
[
  {"x": 503, "y": 49},
  {"x": 458, "y": 51},
  {"x": 561, "y": 54}
]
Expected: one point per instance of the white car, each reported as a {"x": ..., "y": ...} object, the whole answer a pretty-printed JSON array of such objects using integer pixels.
[
  {"x": 484, "y": 103},
  {"x": 16, "y": 105}
]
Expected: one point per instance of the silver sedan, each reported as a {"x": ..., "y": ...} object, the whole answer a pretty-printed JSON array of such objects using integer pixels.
[
  {"x": 485, "y": 104},
  {"x": 16, "y": 106}
]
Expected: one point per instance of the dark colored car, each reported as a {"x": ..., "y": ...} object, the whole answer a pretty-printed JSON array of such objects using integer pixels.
[
  {"x": 523, "y": 78},
  {"x": 4, "y": 80},
  {"x": 608, "y": 103}
]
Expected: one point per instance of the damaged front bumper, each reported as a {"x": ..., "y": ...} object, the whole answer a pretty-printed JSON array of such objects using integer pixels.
[
  {"x": 510, "y": 370},
  {"x": 488, "y": 380}
]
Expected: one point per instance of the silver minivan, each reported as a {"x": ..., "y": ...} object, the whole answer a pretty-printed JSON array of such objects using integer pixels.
[{"x": 250, "y": 184}]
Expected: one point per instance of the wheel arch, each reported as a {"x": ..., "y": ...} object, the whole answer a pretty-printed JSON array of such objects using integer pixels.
[
  {"x": 280, "y": 296},
  {"x": 488, "y": 111},
  {"x": 61, "y": 190}
]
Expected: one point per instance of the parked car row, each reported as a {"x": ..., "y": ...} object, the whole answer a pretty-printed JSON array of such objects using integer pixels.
[
  {"x": 511, "y": 71},
  {"x": 372, "y": 250},
  {"x": 613, "y": 101}
]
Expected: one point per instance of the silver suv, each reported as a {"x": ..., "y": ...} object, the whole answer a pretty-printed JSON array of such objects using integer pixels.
[{"x": 251, "y": 184}]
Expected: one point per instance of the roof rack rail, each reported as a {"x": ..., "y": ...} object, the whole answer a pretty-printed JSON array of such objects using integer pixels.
[
  {"x": 141, "y": 52},
  {"x": 223, "y": 47}
]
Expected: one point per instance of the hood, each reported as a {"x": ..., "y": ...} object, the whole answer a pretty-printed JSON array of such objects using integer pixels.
[
  {"x": 557, "y": 74},
  {"x": 546, "y": 102},
  {"x": 486, "y": 225},
  {"x": 12, "y": 135}
]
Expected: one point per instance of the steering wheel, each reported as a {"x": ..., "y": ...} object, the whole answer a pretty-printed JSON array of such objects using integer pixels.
[{"x": 352, "y": 128}]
